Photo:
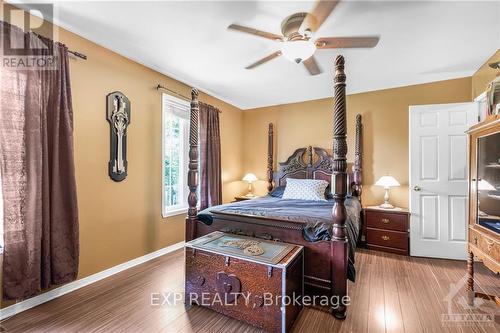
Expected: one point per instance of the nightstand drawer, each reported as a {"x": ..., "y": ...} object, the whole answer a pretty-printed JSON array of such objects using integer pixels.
[
  {"x": 387, "y": 238},
  {"x": 389, "y": 221}
]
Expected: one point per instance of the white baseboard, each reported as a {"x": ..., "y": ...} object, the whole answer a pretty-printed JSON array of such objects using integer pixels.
[{"x": 72, "y": 286}]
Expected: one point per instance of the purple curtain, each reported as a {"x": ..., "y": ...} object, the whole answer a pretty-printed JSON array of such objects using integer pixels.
[
  {"x": 210, "y": 166},
  {"x": 38, "y": 174}
]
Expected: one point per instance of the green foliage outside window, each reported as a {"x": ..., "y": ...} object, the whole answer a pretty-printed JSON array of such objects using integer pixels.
[{"x": 172, "y": 162}]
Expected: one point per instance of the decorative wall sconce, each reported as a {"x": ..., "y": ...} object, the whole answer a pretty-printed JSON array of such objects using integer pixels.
[{"x": 118, "y": 115}]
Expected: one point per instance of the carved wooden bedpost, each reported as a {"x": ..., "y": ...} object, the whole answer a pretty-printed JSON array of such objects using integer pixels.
[
  {"x": 339, "y": 185},
  {"x": 193, "y": 167},
  {"x": 270, "y": 154},
  {"x": 357, "y": 170}
]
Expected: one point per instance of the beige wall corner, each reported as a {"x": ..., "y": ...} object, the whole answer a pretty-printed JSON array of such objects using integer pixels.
[{"x": 484, "y": 75}]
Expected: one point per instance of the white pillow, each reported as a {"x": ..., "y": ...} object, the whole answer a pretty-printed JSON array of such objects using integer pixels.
[{"x": 305, "y": 189}]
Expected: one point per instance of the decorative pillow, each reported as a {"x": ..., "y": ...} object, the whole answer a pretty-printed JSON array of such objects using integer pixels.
[
  {"x": 277, "y": 192},
  {"x": 305, "y": 189}
]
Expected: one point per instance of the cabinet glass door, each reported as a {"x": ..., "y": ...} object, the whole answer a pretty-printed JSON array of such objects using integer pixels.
[{"x": 488, "y": 182}]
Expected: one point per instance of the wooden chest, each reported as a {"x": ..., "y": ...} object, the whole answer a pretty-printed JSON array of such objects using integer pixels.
[{"x": 257, "y": 289}]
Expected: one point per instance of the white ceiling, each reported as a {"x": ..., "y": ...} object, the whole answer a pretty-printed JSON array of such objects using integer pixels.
[{"x": 421, "y": 41}]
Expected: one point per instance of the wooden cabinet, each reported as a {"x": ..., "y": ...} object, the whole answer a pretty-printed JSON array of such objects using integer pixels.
[
  {"x": 386, "y": 230},
  {"x": 484, "y": 199}
]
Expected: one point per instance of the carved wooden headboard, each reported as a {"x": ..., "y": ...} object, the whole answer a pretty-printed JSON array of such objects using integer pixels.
[{"x": 314, "y": 163}]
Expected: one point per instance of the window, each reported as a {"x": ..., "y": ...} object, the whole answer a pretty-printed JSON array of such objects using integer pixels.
[{"x": 175, "y": 149}]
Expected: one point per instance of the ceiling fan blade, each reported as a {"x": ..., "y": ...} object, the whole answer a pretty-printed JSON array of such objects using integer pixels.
[
  {"x": 264, "y": 60},
  {"x": 318, "y": 15},
  {"x": 312, "y": 66},
  {"x": 346, "y": 42},
  {"x": 256, "y": 32}
]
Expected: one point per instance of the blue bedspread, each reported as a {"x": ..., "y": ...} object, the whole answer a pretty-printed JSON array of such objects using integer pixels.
[{"x": 316, "y": 217}]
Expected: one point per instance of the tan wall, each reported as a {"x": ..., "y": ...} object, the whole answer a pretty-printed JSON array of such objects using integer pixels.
[
  {"x": 385, "y": 120},
  {"x": 122, "y": 221},
  {"x": 484, "y": 75}
]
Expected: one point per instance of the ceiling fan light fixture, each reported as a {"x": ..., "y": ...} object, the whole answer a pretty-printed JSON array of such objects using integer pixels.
[{"x": 298, "y": 50}]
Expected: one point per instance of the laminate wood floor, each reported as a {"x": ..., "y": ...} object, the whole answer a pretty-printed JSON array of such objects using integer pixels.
[{"x": 393, "y": 293}]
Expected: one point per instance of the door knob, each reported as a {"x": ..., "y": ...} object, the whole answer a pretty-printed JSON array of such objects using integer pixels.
[{"x": 417, "y": 188}]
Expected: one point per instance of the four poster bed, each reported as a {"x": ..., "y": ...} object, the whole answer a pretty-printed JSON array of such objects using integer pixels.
[{"x": 328, "y": 229}]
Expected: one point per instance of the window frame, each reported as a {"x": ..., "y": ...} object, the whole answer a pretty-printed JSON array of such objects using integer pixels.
[{"x": 183, "y": 207}]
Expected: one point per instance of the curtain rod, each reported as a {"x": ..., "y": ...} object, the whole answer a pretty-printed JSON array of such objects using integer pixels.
[
  {"x": 75, "y": 53},
  {"x": 78, "y": 54},
  {"x": 171, "y": 92},
  {"x": 160, "y": 87}
]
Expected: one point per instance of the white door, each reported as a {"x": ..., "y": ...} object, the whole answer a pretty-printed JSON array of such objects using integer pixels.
[{"x": 438, "y": 179}]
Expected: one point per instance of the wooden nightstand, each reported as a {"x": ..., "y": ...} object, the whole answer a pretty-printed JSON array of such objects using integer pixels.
[
  {"x": 387, "y": 230},
  {"x": 243, "y": 198}
]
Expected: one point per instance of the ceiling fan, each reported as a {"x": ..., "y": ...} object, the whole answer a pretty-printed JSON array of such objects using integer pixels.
[{"x": 297, "y": 43}]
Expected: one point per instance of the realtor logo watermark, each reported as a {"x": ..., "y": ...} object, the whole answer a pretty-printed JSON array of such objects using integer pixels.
[
  {"x": 465, "y": 314},
  {"x": 22, "y": 48},
  {"x": 246, "y": 298}
]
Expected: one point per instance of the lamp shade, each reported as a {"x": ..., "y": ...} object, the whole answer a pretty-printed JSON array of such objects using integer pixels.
[
  {"x": 483, "y": 185},
  {"x": 387, "y": 181},
  {"x": 250, "y": 177}
]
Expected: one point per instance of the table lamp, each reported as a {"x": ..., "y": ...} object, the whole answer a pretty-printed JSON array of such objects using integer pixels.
[
  {"x": 387, "y": 182},
  {"x": 250, "y": 178}
]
